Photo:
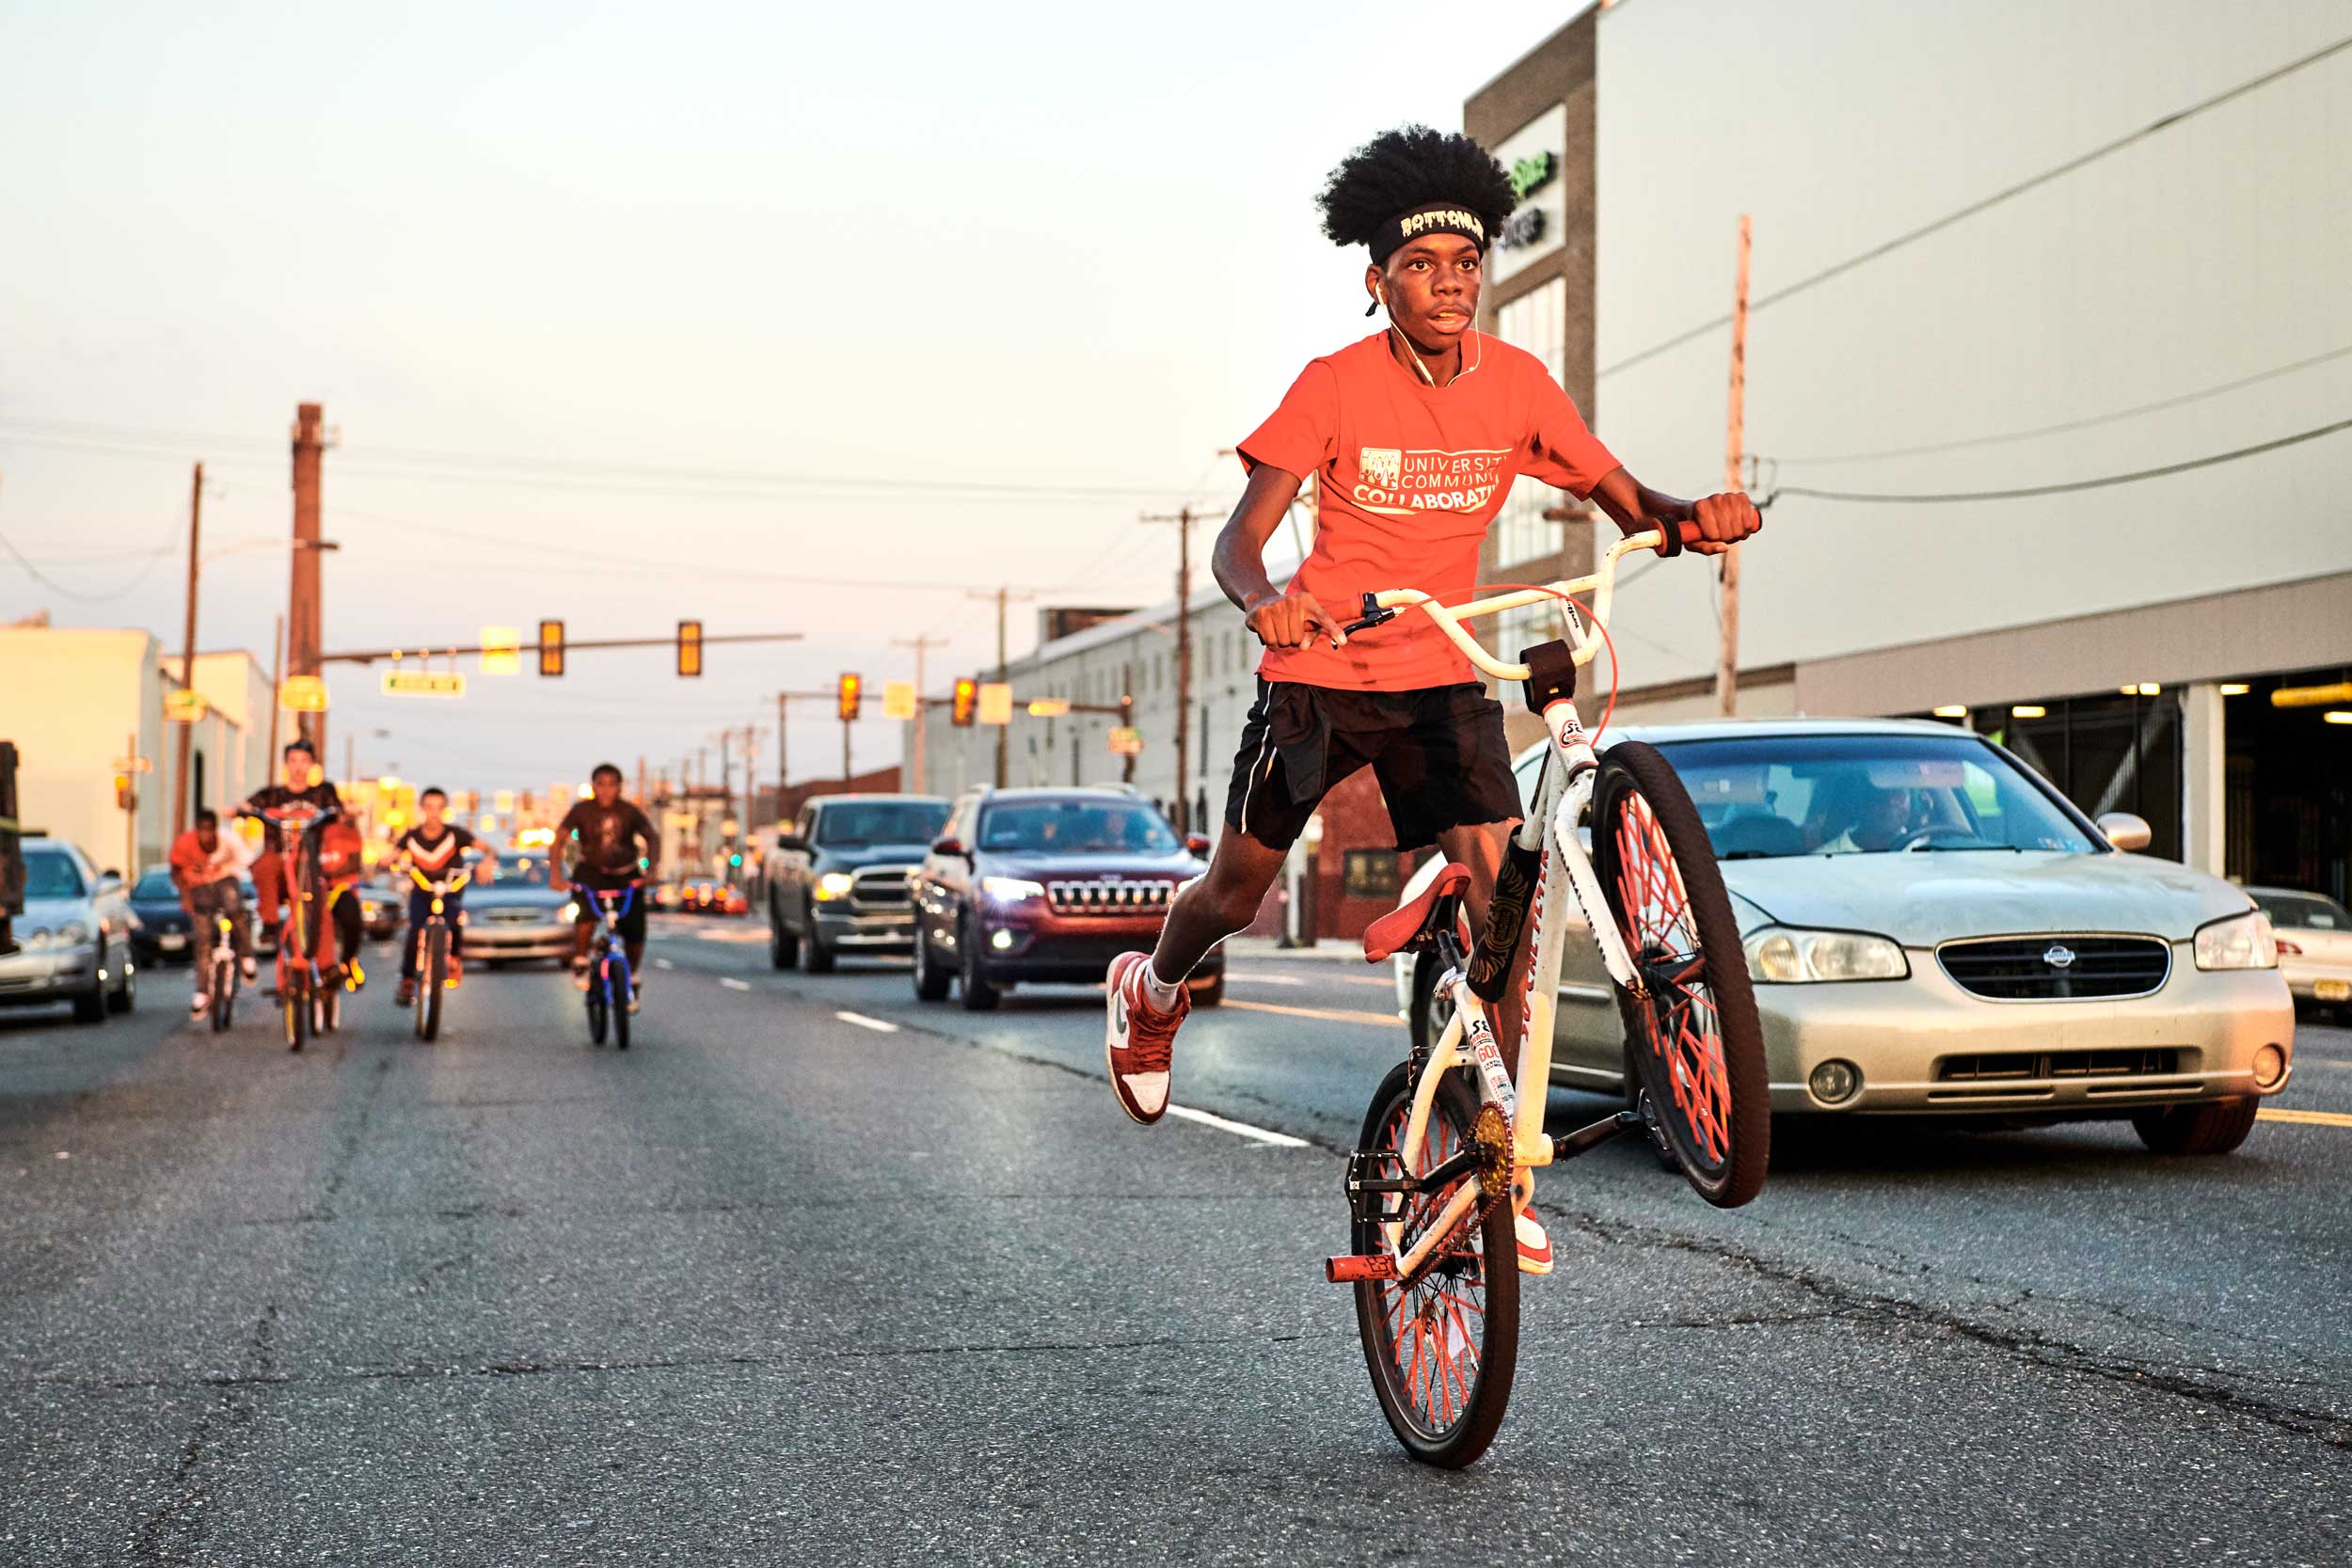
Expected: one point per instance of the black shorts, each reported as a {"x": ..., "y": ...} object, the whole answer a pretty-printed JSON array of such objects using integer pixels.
[
  {"x": 1439, "y": 755},
  {"x": 585, "y": 885}
]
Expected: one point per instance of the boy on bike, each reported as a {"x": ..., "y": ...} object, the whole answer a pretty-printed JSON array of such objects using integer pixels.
[
  {"x": 433, "y": 849},
  {"x": 605, "y": 833},
  {"x": 304, "y": 787},
  {"x": 205, "y": 865},
  {"x": 1416, "y": 435}
]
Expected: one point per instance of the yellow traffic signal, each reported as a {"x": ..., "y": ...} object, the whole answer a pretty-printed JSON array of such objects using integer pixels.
[
  {"x": 551, "y": 647},
  {"x": 124, "y": 798},
  {"x": 966, "y": 703},
  {"x": 690, "y": 647},
  {"x": 852, "y": 692}
]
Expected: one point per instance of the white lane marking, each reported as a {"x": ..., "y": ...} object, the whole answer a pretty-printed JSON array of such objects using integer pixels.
[
  {"x": 1236, "y": 978},
  {"x": 731, "y": 936},
  {"x": 733, "y": 984},
  {"x": 663, "y": 963},
  {"x": 1264, "y": 1135},
  {"x": 876, "y": 1024}
]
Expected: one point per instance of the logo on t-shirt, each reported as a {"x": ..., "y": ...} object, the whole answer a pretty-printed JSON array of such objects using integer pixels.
[{"x": 1404, "y": 481}]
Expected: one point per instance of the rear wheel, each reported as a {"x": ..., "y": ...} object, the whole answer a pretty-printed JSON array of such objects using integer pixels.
[
  {"x": 1209, "y": 992},
  {"x": 1698, "y": 1045},
  {"x": 2214, "y": 1128},
  {"x": 327, "y": 1015},
  {"x": 1443, "y": 1352}
]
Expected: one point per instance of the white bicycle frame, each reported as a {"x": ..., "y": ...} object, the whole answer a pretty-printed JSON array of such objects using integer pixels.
[{"x": 1561, "y": 799}]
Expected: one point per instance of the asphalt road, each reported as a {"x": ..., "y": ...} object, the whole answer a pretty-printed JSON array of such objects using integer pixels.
[{"x": 818, "y": 1274}]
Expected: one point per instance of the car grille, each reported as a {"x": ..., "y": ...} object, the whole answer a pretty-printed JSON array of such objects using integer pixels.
[
  {"x": 1105, "y": 897},
  {"x": 523, "y": 916},
  {"x": 2056, "y": 967},
  {"x": 1993, "y": 1066},
  {"x": 882, "y": 886}
]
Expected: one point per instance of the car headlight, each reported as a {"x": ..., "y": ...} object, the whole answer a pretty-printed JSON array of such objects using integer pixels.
[
  {"x": 571, "y": 911},
  {"x": 1011, "y": 889},
  {"x": 833, "y": 885},
  {"x": 2239, "y": 941},
  {"x": 72, "y": 934},
  {"x": 1782, "y": 956}
]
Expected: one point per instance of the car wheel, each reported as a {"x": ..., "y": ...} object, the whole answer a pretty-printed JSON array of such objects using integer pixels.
[
  {"x": 2215, "y": 1127},
  {"x": 818, "y": 959},
  {"x": 930, "y": 981},
  {"x": 977, "y": 995},
  {"x": 1209, "y": 992},
  {"x": 90, "y": 1007},
  {"x": 784, "y": 947},
  {"x": 126, "y": 998}
]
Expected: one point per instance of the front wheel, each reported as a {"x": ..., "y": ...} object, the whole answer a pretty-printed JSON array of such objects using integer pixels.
[
  {"x": 1442, "y": 1352},
  {"x": 295, "y": 998},
  {"x": 224, "y": 994},
  {"x": 431, "y": 979},
  {"x": 783, "y": 948},
  {"x": 930, "y": 981},
  {"x": 1698, "y": 1045},
  {"x": 599, "y": 1014},
  {"x": 977, "y": 995},
  {"x": 2214, "y": 1128}
]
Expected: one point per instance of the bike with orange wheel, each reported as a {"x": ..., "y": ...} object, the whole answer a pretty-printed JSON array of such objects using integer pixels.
[{"x": 1449, "y": 1147}]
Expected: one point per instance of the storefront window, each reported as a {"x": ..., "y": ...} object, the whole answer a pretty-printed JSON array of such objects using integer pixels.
[{"x": 1535, "y": 322}]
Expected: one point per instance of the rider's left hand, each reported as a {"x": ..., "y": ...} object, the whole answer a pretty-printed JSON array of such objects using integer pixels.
[{"x": 1723, "y": 520}]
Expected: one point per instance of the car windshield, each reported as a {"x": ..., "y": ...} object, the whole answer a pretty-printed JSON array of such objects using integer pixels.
[
  {"x": 523, "y": 870},
  {"x": 1769, "y": 795},
  {"x": 880, "y": 822},
  {"x": 1075, "y": 827},
  {"x": 51, "y": 876},
  {"x": 156, "y": 885},
  {"x": 2304, "y": 912}
]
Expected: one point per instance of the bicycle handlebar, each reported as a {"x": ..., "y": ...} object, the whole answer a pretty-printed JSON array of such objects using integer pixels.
[
  {"x": 1383, "y": 607},
  {"x": 444, "y": 888}
]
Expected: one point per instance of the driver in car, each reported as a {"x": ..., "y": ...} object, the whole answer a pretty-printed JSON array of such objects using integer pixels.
[{"x": 1881, "y": 819}]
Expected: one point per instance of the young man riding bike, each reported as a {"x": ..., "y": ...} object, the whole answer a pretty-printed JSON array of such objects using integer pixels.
[
  {"x": 433, "y": 849},
  {"x": 604, "y": 833},
  {"x": 1416, "y": 435},
  {"x": 303, "y": 785},
  {"x": 205, "y": 865}
]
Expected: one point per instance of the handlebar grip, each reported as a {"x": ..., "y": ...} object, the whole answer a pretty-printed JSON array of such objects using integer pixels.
[{"x": 1674, "y": 536}]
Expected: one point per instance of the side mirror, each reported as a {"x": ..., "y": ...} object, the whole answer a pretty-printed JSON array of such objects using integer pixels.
[
  {"x": 2125, "y": 831},
  {"x": 949, "y": 846},
  {"x": 791, "y": 841},
  {"x": 1196, "y": 843}
]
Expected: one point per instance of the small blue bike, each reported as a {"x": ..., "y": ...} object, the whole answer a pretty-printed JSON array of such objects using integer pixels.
[{"x": 609, "y": 980}]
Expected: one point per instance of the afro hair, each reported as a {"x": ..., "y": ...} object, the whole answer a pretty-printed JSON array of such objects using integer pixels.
[{"x": 1412, "y": 167}]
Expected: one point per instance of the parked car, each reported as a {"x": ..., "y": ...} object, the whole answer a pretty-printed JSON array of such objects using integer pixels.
[
  {"x": 840, "y": 882},
  {"x": 2314, "y": 944},
  {"x": 383, "y": 908},
  {"x": 1998, "y": 954},
  {"x": 1048, "y": 885},
  {"x": 162, "y": 932},
  {"x": 73, "y": 940},
  {"x": 516, "y": 916}
]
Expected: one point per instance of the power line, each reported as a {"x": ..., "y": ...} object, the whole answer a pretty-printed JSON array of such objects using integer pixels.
[
  {"x": 2070, "y": 486},
  {"x": 1984, "y": 203},
  {"x": 51, "y": 583},
  {"x": 2063, "y": 426}
]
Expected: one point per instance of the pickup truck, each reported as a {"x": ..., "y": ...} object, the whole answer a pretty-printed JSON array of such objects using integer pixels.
[{"x": 840, "y": 881}]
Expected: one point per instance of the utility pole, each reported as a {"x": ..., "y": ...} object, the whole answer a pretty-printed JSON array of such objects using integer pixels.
[
  {"x": 277, "y": 678},
  {"x": 1004, "y": 734},
  {"x": 783, "y": 775},
  {"x": 1183, "y": 520},
  {"x": 187, "y": 659},
  {"x": 922, "y": 645},
  {"x": 1727, "y": 661},
  {"x": 302, "y": 607}
]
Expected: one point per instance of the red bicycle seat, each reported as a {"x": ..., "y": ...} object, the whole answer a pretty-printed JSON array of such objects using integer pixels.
[{"x": 1415, "y": 923}]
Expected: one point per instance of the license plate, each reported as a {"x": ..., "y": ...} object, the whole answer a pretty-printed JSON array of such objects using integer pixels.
[
  {"x": 2332, "y": 990},
  {"x": 171, "y": 941}
]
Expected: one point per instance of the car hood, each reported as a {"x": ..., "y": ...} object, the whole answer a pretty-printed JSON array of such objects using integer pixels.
[
  {"x": 45, "y": 913},
  {"x": 1054, "y": 868},
  {"x": 155, "y": 912},
  {"x": 1921, "y": 899},
  {"x": 849, "y": 857},
  {"x": 493, "y": 896}
]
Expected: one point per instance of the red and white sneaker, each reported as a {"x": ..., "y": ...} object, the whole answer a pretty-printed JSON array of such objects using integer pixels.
[
  {"x": 1139, "y": 1039},
  {"x": 1535, "y": 1246}
]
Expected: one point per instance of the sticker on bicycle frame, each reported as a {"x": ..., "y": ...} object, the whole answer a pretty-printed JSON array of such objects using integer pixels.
[{"x": 1489, "y": 1060}]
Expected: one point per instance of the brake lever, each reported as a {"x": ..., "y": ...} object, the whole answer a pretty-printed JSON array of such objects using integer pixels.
[{"x": 1374, "y": 615}]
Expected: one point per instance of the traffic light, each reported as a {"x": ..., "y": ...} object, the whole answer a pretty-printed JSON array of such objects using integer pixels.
[
  {"x": 125, "y": 797},
  {"x": 852, "y": 693},
  {"x": 550, "y": 647},
  {"x": 690, "y": 647},
  {"x": 966, "y": 703}
]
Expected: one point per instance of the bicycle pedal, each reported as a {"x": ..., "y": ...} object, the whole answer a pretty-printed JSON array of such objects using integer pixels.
[{"x": 1354, "y": 1268}]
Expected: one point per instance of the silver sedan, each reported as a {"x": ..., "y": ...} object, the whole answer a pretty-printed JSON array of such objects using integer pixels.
[{"x": 1934, "y": 929}]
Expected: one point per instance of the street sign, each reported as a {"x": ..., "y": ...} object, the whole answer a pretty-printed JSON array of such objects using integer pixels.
[
  {"x": 184, "y": 704},
  {"x": 501, "y": 650},
  {"x": 302, "y": 694},
  {"x": 133, "y": 765},
  {"x": 1048, "y": 707},
  {"x": 995, "y": 704},
  {"x": 898, "y": 699},
  {"x": 424, "y": 683},
  {"x": 1126, "y": 741}
]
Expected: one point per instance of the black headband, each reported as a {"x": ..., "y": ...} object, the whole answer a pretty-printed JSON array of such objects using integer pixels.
[{"x": 1436, "y": 217}]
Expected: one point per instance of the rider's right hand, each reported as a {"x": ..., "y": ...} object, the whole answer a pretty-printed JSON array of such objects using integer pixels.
[{"x": 1293, "y": 620}]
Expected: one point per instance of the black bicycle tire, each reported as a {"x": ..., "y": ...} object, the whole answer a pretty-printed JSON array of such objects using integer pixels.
[
  {"x": 435, "y": 980},
  {"x": 296, "y": 1003},
  {"x": 1634, "y": 765},
  {"x": 224, "y": 993},
  {"x": 1469, "y": 1437},
  {"x": 599, "y": 1009},
  {"x": 620, "y": 1021}
]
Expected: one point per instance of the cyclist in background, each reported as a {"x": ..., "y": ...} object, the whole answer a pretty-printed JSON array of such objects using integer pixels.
[
  {"x": 1417, "y": 433},
  {"x": 610, "y": 843},
  {"x": 205, "y": 865},
  {"x": 303, "y": 785},
  {"x": 433, "y": 849}
]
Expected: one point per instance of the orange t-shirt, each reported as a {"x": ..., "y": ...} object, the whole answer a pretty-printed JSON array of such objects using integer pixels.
[{"x": 1411, "y": 477}]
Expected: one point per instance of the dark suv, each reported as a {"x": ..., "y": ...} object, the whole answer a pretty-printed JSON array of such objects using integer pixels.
[
  {"x": 1049, "y": 885},
  {"x": 839, "y": 880}
]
